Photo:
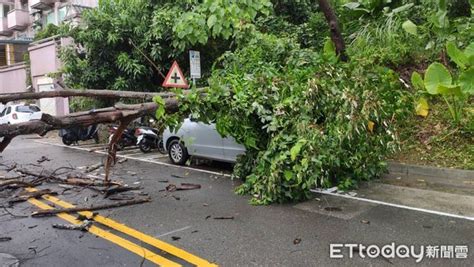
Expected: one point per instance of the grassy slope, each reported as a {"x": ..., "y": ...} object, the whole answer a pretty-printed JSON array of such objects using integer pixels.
[{"x": 433, "y": 141}]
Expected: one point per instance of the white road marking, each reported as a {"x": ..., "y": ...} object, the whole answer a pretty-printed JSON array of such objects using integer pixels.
[
  {"x": 138, "y": 159},
  {"x": 440, "y": 213},
  {"x": 174, "y": 231}
]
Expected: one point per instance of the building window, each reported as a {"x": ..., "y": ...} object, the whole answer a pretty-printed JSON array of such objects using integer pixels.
[
  {"x": 5, "y": 9},
  {"x": 50, "y": 19},
  {"x": 62, "y": 13}
]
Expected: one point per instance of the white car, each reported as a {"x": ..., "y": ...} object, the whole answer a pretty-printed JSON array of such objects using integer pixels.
[
  {"x": 17, "y": 113},
  {"x": 200, "y": 140}
]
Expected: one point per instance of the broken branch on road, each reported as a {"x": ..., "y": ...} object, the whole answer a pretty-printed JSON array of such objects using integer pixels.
[
  {"x": 25, "y": 195},
  {"x": 81, "y": 227}
]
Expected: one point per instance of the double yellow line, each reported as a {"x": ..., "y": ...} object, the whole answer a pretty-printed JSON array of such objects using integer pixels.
[{"x": 124, "y": 243}]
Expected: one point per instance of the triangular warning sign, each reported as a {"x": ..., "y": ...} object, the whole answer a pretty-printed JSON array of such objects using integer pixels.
[{"x": 175, "y": 78}]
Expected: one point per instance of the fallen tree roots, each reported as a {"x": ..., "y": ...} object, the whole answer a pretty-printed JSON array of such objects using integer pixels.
[{"x": 45, "y": 213}]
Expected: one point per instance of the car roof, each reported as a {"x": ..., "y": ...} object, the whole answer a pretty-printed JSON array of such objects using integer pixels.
[{"x": 21, "y": 104}]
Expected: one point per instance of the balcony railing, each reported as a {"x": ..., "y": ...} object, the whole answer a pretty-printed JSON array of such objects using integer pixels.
[
  {"x": 4, "y": 27},
  {"x": 42, "y": 4},
  {"x": 18, "y": 19}
]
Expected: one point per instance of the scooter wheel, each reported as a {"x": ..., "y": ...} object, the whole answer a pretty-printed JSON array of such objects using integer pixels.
[
  {"x": 96, "y": 138},
  {"x": 161, "y": 147},
  {"x": 120, "y": 146},
  {"x": 66, "y": 141},
  {"x": 145, "y": 147}
]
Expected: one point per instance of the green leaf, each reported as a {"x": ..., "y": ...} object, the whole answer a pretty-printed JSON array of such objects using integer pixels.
[
  {"x": 160, "y": 111},
  {"x": 417, "y": 81},
  {"x": 329, "y": 50},
  {"x": 295, "y": 150},
  {"x": 436, "y": 75},
  {"x": 469, "y": 50},
  {"x": 449, "y": 90},
  {"x": 422, "y": 107},
  {"x": 466, "y": 81},
  {"x": 402, "y": 8},
  {"x": 456, "y": 55},
  {"x": 288, "y": 175},
  {"x": 211, "y": 21},
  {"x": 410, "y": 27}
]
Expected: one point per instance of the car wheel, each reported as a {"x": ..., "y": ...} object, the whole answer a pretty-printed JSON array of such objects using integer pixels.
[
  {"x": 66, "y": 141},
  {"x": 145, "y": 146},
  {"x": 177, "y": 152}
]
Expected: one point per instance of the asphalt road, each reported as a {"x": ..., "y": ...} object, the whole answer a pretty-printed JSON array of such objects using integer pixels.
[{"x": 180, "y": 227}]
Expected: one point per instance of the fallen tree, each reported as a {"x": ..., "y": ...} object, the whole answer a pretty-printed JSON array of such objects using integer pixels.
[{"x": 120, "y": 112}]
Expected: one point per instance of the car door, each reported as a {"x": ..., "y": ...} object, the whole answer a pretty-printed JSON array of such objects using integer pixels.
[
  {"x": 203, "y": 140},
  {"x": 232, "y": 149}
]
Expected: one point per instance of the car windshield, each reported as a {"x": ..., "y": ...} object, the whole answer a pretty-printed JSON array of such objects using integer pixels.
[{"x": 28, "y": 109}]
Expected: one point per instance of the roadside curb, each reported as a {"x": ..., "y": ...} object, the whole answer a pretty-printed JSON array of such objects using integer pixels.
[
  {"x": 408, "y": 169},
  {"x": 431, "y": 175}
]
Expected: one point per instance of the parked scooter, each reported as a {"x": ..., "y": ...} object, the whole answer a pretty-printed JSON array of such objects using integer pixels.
[
  {"x": 79, "y": 133},
  {"x": 128, "y": 137},
  {"x": 148, "y": 139}
]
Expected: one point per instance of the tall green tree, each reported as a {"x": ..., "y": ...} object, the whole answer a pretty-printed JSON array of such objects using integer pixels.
[{"x": 129, "y": 44}]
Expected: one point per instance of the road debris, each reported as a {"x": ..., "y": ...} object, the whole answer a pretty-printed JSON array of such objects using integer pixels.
[
  {"x": 175, "y": 238},
  {"x": 81, "y": 227},
  {"x": 120, "y": 161},
  {"x": 333, "y": 209},
  {"x": 94, "y": 167},
  {"x": 184, "y": 186},
  {"x": 176, "y": 176},
  {"x": 118, "y": 189},
  {"x": 45, "y": 213},
  {"x": 5, "y": 239},
  {"x": 25, "y": 195},
  {"x": 297, "y": 241},
  {"x": 365, "y": 221},
  {"x": 43, "y": 159},
  {"x": 224, "y": 218}
]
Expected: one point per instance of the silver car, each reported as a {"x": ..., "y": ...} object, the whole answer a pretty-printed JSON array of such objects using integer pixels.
[{"x": 200, "y": 140}]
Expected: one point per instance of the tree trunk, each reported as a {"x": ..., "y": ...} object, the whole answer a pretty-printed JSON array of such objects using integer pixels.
[
  {"x": 106, "y": 115},
  {"x": 334, "y": 28},
  {"x": 145, "y": 96}
]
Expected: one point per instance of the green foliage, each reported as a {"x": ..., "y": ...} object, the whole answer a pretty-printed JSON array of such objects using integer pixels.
[
  {"x": 124, "y": 45},
  {"x": 302, "y": 119},
  {"x": 439, "y": 81},
  {"x": 49, "y": 31}
]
